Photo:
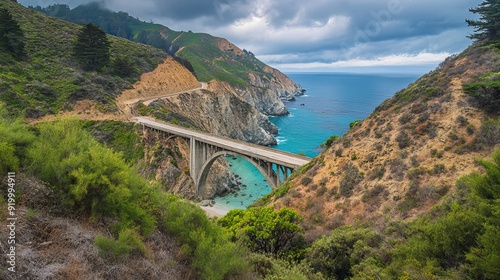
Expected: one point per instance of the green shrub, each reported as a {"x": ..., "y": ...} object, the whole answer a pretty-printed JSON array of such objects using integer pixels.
[
  {"x": 351, "y": 178},
  {"x": 89, "y": 177},
  {"x": 264, "y": 230},
  {"x": 486, "y": 92},
  {"x": 403, "y": 139},
  {"x": 489, "y": 133},
  {"x": 330, "y": 141},
  {"x": 277, "y": 269},
  {"x": 335, "y": 255},
  {"x": 119, "y": 136},
  {"x": 128, "y": 240},
  {"x": 216, "y": 257},
  {"x": 439, "y": 168},
  {"x": 355, "y": 123},
  {"x": 213, "y": 254},
  {"x": 306, "y": 180},
  {"x": 15, "y": 137},
  {"x": 111, "y": 247},
  {"x": 8, "y": 160},
  {"x": 377, "y": 173},
  {"x": 405, "y": 118},
  {"x": 124, "y": 66},
  {"x": 321, "y": 191}
]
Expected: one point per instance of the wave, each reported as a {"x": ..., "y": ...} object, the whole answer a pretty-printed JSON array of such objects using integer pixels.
[{"x": 281, "y": 139}]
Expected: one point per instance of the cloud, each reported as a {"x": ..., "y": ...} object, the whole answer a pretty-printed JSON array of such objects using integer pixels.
[
  {"x": 423, "y": 58},
  {"x": 324, "y": 31}
]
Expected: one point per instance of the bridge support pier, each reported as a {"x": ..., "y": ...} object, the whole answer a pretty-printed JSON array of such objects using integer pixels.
[{"x": 204, "y": 149}]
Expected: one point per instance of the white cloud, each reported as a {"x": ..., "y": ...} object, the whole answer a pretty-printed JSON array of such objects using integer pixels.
[{"x": 396, "y": 60}]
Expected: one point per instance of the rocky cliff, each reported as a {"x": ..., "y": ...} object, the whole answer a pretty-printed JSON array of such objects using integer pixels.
[
  {"x": 267, "y": 87},
  {"x": 222, "y": 113}
]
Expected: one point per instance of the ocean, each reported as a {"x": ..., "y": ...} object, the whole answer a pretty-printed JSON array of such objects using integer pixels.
[{"x": 331, "y": 102}]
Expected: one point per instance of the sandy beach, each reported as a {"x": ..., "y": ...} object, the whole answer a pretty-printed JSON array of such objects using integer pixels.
[{"x": 217, "y": 210}]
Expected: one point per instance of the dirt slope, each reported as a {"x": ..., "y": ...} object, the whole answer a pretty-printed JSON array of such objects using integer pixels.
[
  {"x": 404, "y": 157},
  {"x": 170, "y": 77}
]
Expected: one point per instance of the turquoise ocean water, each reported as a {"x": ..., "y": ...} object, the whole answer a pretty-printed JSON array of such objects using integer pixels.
[{"x": 331, "y": 103}]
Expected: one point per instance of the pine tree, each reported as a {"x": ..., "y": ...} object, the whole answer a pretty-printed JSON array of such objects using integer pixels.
[
  {"x": 488, "y": 25},
  {"x": 92, "y": 48},
  {"x": 11, "y": 36}
]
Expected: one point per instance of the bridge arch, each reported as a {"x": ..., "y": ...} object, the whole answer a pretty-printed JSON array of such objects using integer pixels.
[
  {"x": 205, "y": 169},
  {"x": 205, "y": 148}
]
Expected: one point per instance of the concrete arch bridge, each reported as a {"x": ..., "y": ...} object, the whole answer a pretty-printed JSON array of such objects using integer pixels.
[{"x": 205, "y": 148}]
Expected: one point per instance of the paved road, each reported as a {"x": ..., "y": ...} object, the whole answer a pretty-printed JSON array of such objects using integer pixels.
[{"x": 240, "y": 147}]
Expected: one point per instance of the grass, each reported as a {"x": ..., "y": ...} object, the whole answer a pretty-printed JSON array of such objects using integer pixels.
[{"x": 48, "y": 79}]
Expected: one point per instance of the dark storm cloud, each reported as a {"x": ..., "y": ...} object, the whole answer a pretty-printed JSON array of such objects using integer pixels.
[
  {"x": 295, "y": 31},
  {"x": 215, "y": 12}
]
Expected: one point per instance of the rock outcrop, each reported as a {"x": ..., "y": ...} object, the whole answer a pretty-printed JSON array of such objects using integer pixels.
[
  {"x": 223, "y": 113},
  {"x": 267, "y": 86}
]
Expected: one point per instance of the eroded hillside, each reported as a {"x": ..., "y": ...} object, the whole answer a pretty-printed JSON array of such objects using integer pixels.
[{"x": 402, "y": 159}]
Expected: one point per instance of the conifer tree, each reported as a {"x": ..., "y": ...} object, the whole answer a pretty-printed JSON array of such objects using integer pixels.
[
  {"x": 11, "y": 35},
  {"x": 488, "y": 25},
  {"x": 92, "y": 48}
]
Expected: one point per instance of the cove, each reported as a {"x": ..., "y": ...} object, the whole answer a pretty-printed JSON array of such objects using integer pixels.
[{"x": 331, "y": 103}]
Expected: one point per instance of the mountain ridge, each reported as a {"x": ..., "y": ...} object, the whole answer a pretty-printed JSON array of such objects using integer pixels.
[{"x": 208, "y": 57}]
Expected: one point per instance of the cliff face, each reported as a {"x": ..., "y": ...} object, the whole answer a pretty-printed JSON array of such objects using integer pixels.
[
  {"x": 402, "y": 159},
  {"x": 265, "y": 100},
  {"x": 267, "y": 86},
  {"x": 222, "y": 113}
]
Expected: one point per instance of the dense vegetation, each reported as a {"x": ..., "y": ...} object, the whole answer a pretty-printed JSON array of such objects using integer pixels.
[
  {"x": 198, "y": 52},
  {"x": 264, "y": 230},
  {"x": 49, "y": 78},
  {"x": 486, "y": 92}
]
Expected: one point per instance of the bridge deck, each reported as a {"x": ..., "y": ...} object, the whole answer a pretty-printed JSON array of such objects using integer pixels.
[{"x": 240, "y": 147}]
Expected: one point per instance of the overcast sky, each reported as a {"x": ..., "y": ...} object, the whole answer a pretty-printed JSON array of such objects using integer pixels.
[{"x": 318, "y": 35}]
